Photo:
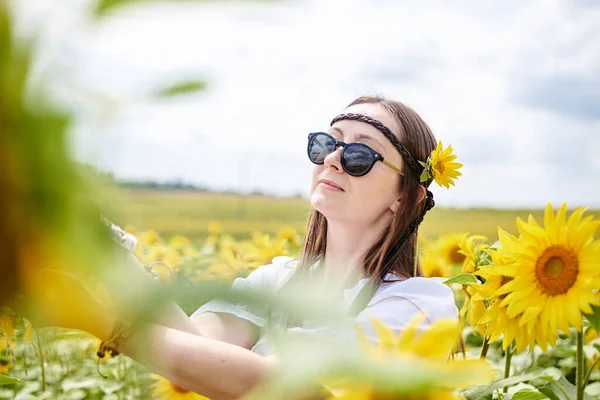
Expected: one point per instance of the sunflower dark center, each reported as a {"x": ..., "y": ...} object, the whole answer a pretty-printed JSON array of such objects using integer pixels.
[
  {"x": 556, "y": 270},
  {"x": 439, "y": 166},
  {"x": 505, "y": 280},
  {"x": 455, "y": 256}
]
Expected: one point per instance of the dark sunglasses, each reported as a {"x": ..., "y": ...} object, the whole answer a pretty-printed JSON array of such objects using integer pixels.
[{"x": 357, "y": 158}]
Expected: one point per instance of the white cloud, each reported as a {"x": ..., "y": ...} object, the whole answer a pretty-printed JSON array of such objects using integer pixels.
[{"x": 277, "y": 71}]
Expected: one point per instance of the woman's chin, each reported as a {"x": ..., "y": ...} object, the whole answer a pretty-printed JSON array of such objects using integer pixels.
[{"x": 324, "y": 204}]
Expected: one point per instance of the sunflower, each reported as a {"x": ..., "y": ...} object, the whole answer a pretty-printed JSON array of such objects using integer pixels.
[
  {"x": 554, "y": 272},
  {"x": 474, "y": 309},
  {"x": 150, "y": 238},
  {"x": 166, "y": 255},
  {"x": 434, "y": 265},
  {"x": 163, "y": 389},
  {"x": 498, "y": 323},
  {"x": 430, "y": 348},
  {"x": 448, "y": 246},
  {"x": 472, "y": 247},
  {"x": 180, "y": 241},
  {"x": 214, "y": 228},
  {"x": 5, "y": 366},
  {"x": 441, "y": 166},
  {"x": 367, "y": 394},
  {"x": 262, "y": 249},
  {"x": 290, "y": 235}
]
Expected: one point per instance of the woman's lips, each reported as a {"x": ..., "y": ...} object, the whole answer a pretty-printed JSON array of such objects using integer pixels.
[{"x": 330, "y": 185}]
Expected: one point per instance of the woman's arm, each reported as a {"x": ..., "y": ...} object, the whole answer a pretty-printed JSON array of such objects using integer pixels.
[{"x": 212, "y": 368}]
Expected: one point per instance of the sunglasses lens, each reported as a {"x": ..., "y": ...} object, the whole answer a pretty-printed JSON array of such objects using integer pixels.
[
  {"x": 319, "y": 147},
  {"x": 357, "y": 159}
]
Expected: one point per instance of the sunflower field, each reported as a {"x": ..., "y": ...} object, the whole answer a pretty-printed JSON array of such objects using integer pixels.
[
  {"x": 528, "y": 330},
  {"x": 528, "y": 292}
]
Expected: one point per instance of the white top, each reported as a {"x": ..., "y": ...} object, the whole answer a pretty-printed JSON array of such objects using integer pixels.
[{"x": 395, "y": 303}]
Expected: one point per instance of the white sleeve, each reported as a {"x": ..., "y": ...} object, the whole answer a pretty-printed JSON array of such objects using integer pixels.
[
  {"x": 400, "y": 302},
  {"x": 264, "y": 278}
]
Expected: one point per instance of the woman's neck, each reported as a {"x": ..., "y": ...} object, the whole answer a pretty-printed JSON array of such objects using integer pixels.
[{"x": 346, "y": 248}]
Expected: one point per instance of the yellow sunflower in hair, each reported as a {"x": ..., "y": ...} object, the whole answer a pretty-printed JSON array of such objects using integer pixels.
[{"x": 441, "y": 166}]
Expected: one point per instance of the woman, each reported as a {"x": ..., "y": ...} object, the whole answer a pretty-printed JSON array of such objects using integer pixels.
[{"x": 368, "y": 200}]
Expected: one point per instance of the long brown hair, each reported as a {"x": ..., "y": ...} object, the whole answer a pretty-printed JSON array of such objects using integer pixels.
[{"x": 381, "y": 258}]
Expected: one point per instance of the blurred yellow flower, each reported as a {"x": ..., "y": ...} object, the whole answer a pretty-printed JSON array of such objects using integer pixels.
[
  {"x": 226, "y": 265},
  {"x": 555, "y": 272},
  {"x": 150, "y": 238},
  {"x": 180, "y": 241},
  {"x": 590, "y": 334},
  {"x": 214, "y": 228},
  {"x": 449, "y": 247},
  {"x": 290, "y": 235},
  {"x": 165, "y": 254},
  {"x": 5, "y": 366},
  {"x": 434, "y": 265},
  {"x": 7, "y": 332},
  {"x": 163, "y": 389},
  {"x": 262, "y": 250},
  {"x": 428, "y": 347},
  {"x": 367, "y": 393}
]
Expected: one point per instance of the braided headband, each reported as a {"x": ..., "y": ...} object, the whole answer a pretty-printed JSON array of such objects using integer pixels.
[{"x": 406, "y": 156}]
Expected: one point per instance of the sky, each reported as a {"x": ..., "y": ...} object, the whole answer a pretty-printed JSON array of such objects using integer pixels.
[{"x": 513, "y": 86}]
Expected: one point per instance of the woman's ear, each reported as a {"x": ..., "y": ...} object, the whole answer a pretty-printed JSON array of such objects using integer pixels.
[
  {"x": 395, "y": 206},
  {"x": 422, "y": 193}
]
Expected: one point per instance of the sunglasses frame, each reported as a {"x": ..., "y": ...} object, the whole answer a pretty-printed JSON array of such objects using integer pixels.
[{"x": 376, "y": 156}]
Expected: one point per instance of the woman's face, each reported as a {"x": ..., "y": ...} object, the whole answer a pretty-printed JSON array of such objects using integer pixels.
[{"x": 364, "y": 200}]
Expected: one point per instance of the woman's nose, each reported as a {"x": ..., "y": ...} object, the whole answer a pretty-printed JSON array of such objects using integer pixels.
[{"x": 334, "y": 159}]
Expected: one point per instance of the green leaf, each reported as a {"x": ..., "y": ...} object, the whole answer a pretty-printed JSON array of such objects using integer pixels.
[
  {"x": 528, "y": 394},
  {"x": 594, "y": 318},
  {"x": 181, "y": 88},
  {"x": 465, "y": 279},
  {"x": 485, "y": 392},
  {"x": 568, "y": 387},
  {"x": 549, "y": 392},
  {"x": 478, "y": 393},
  {"x": 7, "y": 380},
  {"x": 424, "y": 176}
]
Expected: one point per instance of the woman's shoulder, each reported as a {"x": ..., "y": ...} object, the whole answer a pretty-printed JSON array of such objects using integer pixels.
[{"x": 274, "y": 274}]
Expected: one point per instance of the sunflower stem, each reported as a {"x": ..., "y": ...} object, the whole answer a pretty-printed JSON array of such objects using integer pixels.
[
  {"x": 580, "y": 366},
  {"x": 485, "y": 348},
  {"x": 42, "y": 357},
  {"x": 586, "y": 378},
  {"x": 509, "y": 353}
]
